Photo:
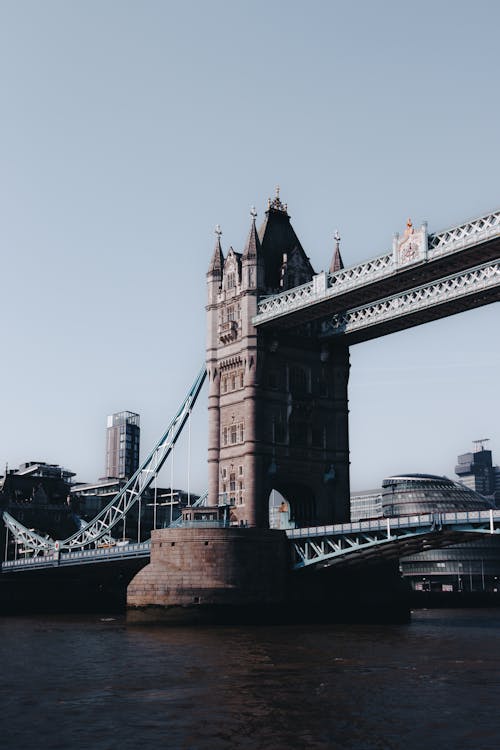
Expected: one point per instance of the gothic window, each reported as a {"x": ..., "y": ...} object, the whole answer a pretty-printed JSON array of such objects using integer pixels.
[
  {"x": 233, "y": 433},
  {"x": 233, "y": 382},
  {"x": 232, "y": 489},
  {"x": 241, "y": 380},
  {"x": 224, "y": 384},
  {"x": 231, "y": 280}
]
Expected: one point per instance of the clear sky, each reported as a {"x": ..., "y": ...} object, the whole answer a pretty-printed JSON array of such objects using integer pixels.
[{"x": 129, "y": 129}]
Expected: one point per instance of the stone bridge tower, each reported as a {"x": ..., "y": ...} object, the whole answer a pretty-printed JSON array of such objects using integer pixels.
[{"x": 278, "y": 416}]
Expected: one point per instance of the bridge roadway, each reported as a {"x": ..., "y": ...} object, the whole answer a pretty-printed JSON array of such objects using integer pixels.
[
  {"x": 339, "y": 545},
  {"x": 453, "y": 252}
]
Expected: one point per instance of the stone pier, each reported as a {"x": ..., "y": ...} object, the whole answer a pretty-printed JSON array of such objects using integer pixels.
[{"x": 204, "y": 575}]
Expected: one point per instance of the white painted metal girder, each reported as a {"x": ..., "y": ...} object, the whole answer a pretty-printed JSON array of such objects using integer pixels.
[
  {"x": 327, "y": 285},
  {"x": 449, "y": 289},
  {"x": 384, "y": 537}
]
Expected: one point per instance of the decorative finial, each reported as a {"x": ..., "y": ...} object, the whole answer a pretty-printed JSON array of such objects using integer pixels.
[
  {"x": 276, "y": 202},
  {"x": 253, "y": 213},
  {"x": 409, "y": 228},
  {"x": 218, "y": 231},
  {"x": 336, "y": 237}
]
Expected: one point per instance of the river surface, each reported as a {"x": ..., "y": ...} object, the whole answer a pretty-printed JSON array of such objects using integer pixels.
[{"x": 95, "y": 683}]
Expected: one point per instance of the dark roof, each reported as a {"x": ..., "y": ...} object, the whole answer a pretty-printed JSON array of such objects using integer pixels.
[{"x": 277, "y": 237}]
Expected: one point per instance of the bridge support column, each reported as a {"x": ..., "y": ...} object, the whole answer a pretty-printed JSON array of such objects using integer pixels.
[{"x": 203, "y": 575}]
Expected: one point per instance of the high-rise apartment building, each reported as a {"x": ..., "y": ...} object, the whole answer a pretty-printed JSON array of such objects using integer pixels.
[{"x": 122, "y": 444}]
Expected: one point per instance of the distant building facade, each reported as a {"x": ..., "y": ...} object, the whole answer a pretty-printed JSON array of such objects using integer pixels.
[
  {"x": 467, "y": 567},
  {"x": 122, "y": 444},
  {"x": 37, "y": 495},
  {"x": 476, "y": 470},
  {"x": 366, "y": 504},
  {"x": 158, "y": 507}
]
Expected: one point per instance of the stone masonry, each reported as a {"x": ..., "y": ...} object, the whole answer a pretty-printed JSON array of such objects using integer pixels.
[{"x": 278, "y": 406}]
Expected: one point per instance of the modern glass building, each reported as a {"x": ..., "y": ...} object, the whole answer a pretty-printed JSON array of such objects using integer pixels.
[
  {"x": 366, "y": 504},
  {"x": 473, "y": 566},
  {"x": 410, "y": 494}
]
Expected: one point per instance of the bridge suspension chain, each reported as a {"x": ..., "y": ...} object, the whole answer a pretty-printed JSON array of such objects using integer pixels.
[{"x": 100, "y": 527}]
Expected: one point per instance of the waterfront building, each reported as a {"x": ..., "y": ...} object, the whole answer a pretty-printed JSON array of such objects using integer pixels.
[
  {"x": 467, "y": 567},
  {"x": 476, "y": 470},
  {"x": 36, "y": 494},
  {"x": 412, "y": 494},
  {"x": 366, "y": 504},
  {"x": 122, "y": 444},
  {"x": 471, "y": 566}
]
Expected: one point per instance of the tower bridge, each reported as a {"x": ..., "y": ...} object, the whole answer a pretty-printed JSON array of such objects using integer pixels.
[
  {"x": 277, "y": 365},
  {"x": 278, "y": 351}
]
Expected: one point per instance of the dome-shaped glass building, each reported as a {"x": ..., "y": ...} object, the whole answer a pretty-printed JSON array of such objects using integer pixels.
[
  {"x": 468, "y": 567},
  {"x": 411, "y": 494}
]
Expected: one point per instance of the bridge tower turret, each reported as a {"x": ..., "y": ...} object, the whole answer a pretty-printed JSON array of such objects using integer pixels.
[{"x": 277, "y": 397}]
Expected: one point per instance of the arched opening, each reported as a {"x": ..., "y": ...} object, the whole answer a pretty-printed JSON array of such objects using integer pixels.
[
  {"x": 291, "y": 506},
  {"x": 279, "y": 512}
]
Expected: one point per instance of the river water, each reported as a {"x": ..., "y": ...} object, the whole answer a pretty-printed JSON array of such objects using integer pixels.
[{"x": 96, "y": 683}]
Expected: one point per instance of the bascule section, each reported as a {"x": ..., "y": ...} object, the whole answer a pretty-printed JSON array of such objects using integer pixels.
[{"x": 278, "y": 417}]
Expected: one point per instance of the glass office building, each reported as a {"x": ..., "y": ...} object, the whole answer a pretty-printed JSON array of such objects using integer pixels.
[{"x": 467, "y": 567}]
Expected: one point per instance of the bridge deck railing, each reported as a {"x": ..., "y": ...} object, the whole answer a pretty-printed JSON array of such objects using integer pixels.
[
  {"x": 324, "y": 285},
  {"x": 398, "y": 522},
  {"x": 137, "y": 549}
]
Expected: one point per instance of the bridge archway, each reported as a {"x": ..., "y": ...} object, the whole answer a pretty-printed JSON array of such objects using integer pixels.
[{"x": 291, "y": 505}]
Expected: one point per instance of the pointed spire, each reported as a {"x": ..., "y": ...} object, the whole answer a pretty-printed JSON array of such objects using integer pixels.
[
  {"x": 337, "y": 263},
  {"x": 217, "y": 262},
  {"x": 276, "y": 203},
  {"x": 252, "y": 245}
]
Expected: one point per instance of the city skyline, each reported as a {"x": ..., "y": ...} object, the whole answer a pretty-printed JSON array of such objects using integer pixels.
[{"x": 130, "y": 132}]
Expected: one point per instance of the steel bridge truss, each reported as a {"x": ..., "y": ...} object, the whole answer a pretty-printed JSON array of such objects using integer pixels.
[
  {"x": 477, "y": 282},
  {"x": 386, "y": 538},
  {"x": 100, "y": 528},
  {"x": 329, "y": 285}
]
